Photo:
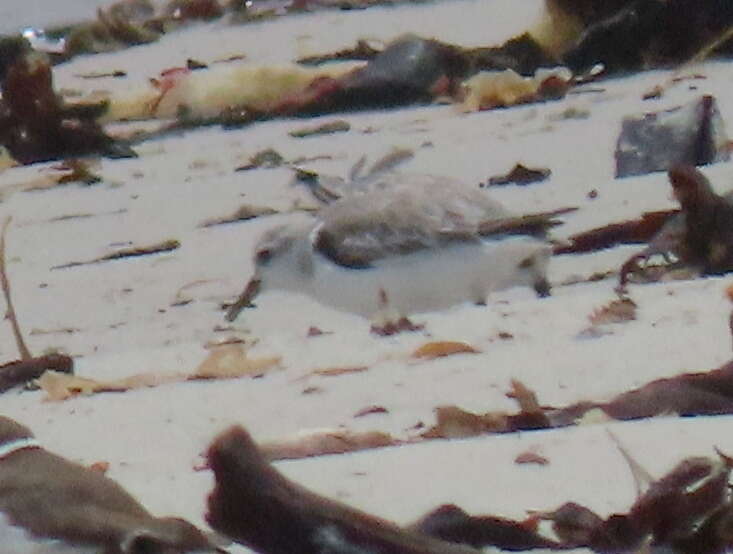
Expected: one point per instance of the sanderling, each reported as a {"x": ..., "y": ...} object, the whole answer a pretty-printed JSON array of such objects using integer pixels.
[{"x": 401, "y": 244}]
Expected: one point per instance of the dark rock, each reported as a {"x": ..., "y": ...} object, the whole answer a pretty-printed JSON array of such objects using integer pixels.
[{"x": 692, "y": 134}]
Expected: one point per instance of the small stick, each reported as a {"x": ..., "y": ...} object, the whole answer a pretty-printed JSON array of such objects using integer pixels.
[
  {"x": 25, "y": 354},
  {"x": 642, "y": 478}
]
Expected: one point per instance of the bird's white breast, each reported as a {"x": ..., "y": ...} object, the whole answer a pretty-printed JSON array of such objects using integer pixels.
[{"x": 427, "y": 280}]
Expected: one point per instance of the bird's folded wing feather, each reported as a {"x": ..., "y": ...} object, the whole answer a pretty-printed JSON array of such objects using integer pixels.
[
  {"x": 356, "y": 233},
  {"x": 532, "y": 224}
]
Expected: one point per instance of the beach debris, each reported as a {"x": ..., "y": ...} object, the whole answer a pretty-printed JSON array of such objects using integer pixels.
[
  {"x": 329, "y": 128},
  {"x": 395, "y": 327},
  {"x": 231, "y": 361},
  {"x": 268, "y": 158},
  {"x": 699, "y": 238},
  {"x": 59, "y": 386},
  {"x": 123, "y": 24},
  {"x": 441, "y": 349},
  {"x": 36, "y": 125},
  {"x": 255, "y": 505},
  {"x": 245, "y": 212},
  {"x": 227, "y": 361},
  {"x": 370, "y": 410},
  {"x": 704, "y": 393},
  {"x": 78, "y": 171},
  {"x": 522, "y": 54},
  {"x": 362, "y": 51},
  {"x": 225, "y": 94},
  {"x": 187, "y": 10},
  {"x": 487, "y": 90},
  {"x": 530, "y": 457},
  {"x": 521, "y": 175},
  {"x": 117, "y": 73},
  {"x": 101, "y": 466},
  {"x": 685, "y": 511},
  {"x": 409, "y": 70},
  {"x": 682, "y": 512},
  {"x": 631, "y": 35},
  {"x": 29, "y": 367},
  {"x": 23, "y": 372},
  {"x": 325, "y": 442},
  {"x": 77, "y": 508},
  {"x": 452, "y": 524},
  {"x": 184, "y": 296},
  {"x": 131, "y": 252},
  {"x": 335, "y": 371},
  {"x": 634, "y": 231},
  {"x": 452, "y": 422},
  {"x": 691, "y": 134},
  {"x": 619, "y": 310},
  {"x": 314, "y": 331}
]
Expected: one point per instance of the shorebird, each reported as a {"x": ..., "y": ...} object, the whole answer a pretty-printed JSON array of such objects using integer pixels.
[
  {"x": 400, "y": 244},
  {"x": 49, "y": 505}
]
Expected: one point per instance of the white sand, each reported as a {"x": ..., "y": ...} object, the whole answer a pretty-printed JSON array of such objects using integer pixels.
[{"x": 124, "y": 324}]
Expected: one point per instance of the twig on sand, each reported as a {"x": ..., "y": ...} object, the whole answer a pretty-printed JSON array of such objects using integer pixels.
[
  {"x": 25, "y": 354},
  {"x": 132, "y": 252},
  {"x": 28, "y": 367}
]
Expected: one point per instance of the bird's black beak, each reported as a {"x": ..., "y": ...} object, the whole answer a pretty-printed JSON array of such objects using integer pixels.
[
  {"x": 245, "y": 299},
  {"x": 542, "y": 288}
]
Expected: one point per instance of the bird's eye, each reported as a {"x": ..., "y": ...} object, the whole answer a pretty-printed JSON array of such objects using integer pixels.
[{"x": 264, "y": 256}]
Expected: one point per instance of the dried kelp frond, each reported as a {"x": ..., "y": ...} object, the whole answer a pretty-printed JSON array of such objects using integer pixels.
[
  {"x": 441, "y": 349},
  {"x": 229, "y": 361},
  {"x": 329, "y": 128},
  {"x": 640, "y": 34},
  {"x": 619, "y": 310},
  {"x": 454, "y": 422},
  {"x": 520, "y": 175},
  {"x": 362, "y": 51},
  {"x": 633, "y": 231},
  {"x": 35, "y": 125},
  {"x": 687, "y": 511},
  {"x": 132, "y": 252},
  {"x": 409, "y": 70},
  {"x": 25, "y": 371},
  {"x": 121, "y": 25},
  {"x": 501, "y": 89},
  {"x": 326, "y": 442},
  {"x": 681, "y": 513},
  {"x": 700, "y": 238},
  {"x": 255, "y": 505},
  {"x": 688, "y": 394},
  {"x": 245, "y": 212},
  {"x": 450, "y": 523}
]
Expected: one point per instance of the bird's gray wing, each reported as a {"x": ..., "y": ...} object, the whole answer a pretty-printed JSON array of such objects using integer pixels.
[
  {"x": 416, "y": 213},
  {"x": 358, "y": 231}
]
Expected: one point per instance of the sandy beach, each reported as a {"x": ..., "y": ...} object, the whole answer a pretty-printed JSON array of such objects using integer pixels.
[{"x": 156, "y": 314}]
